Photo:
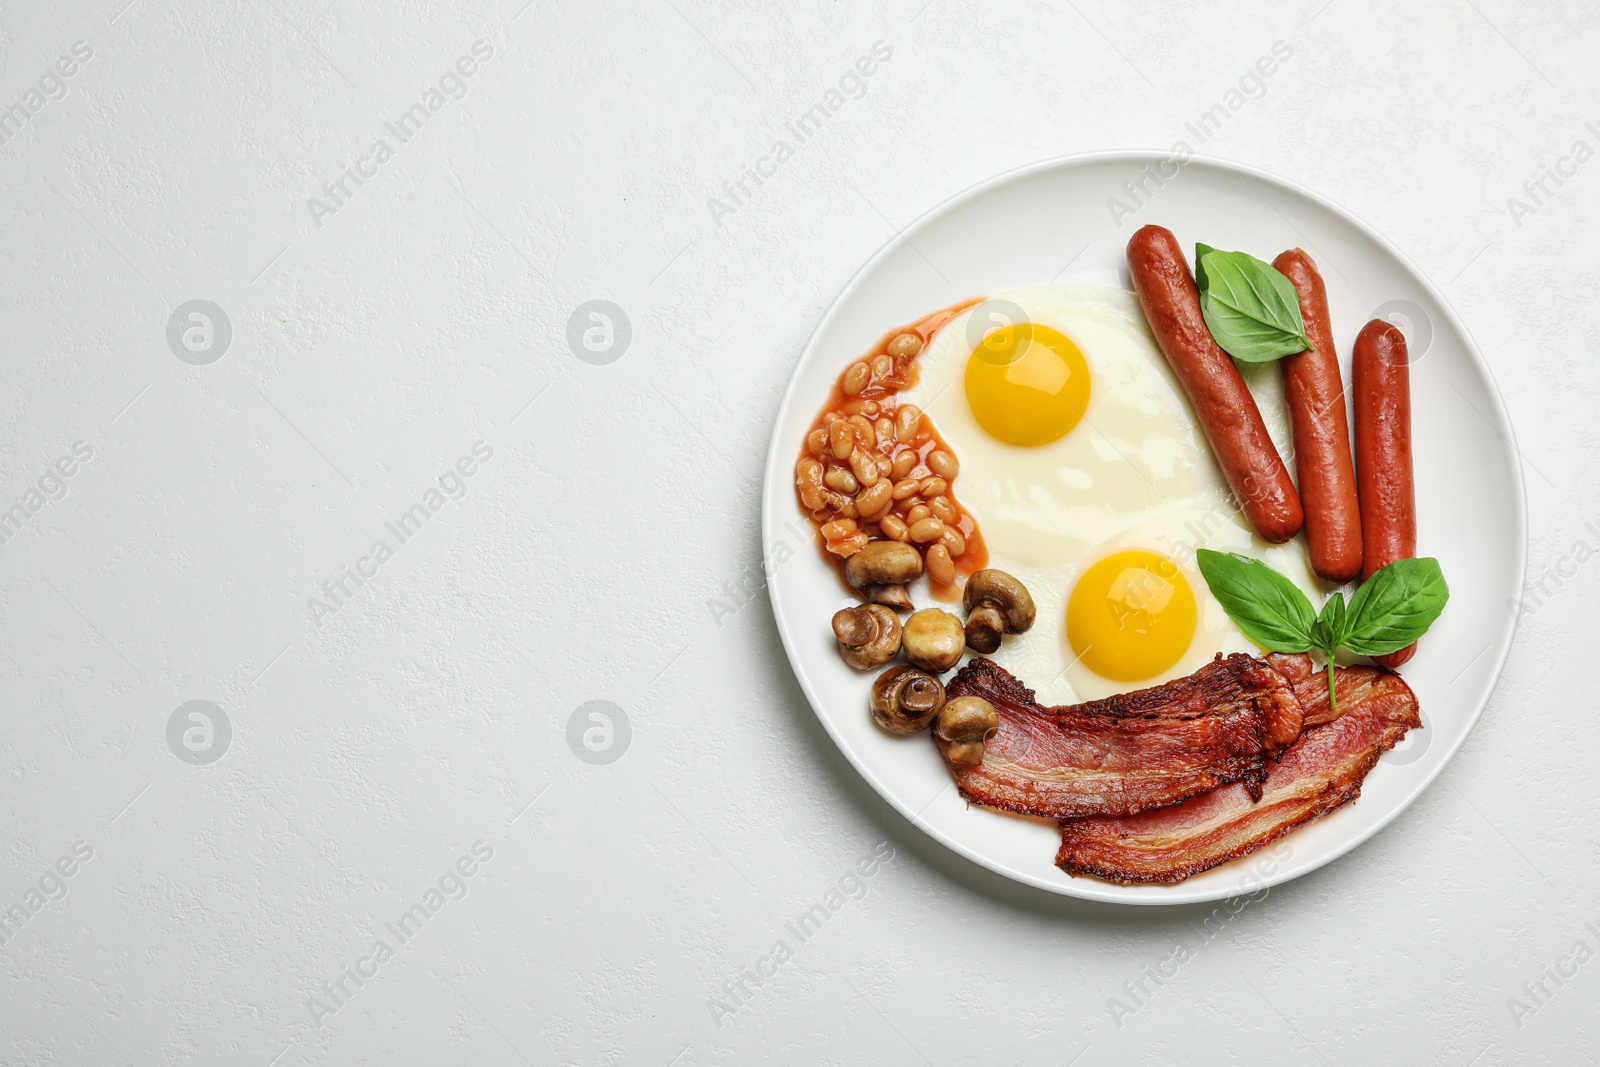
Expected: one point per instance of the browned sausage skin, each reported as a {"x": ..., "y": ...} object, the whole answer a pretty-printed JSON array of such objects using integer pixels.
[
  {"x": 1314, "y": 393},
  {"x": 1222, "y": 402},
  {"x": 1381, "y": 381}
]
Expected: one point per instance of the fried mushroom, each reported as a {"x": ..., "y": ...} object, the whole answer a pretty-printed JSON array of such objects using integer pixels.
[
  {"x": 869, "y": 635},
  {"x": 905, "y": 700},
  {"x": 966, "y": 723},
  {"x": 996, "y": 604},
  {"x": 882, "y": 569},
  {"x": 933, "y": 640}
]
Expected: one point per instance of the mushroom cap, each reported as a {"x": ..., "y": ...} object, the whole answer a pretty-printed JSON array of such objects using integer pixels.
[
  {"x": 995, "y": 588},
  {"x": 883, "y": 563},
  {"x": 933, "y": 640},
  {"x": 868, "y": 634},
  {"x": 904, "y": 699},
  {"x": 967, "y": 719}
]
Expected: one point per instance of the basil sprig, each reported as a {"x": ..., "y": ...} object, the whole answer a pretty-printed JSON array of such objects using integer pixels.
[
  {"x": 1389, "y": 611},
  {"x": 1249, "y": 306}
]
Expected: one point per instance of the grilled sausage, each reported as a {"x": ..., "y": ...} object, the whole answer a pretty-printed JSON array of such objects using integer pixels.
[
  {"x": 1381, "y": 380},
  {"x": 1315, "y": 396},
  {"x": 1221, "y": 401}
]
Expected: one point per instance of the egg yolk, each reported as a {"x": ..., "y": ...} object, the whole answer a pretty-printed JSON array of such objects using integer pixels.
[
  {"x": 1027, "y": 384},
  {"x": 1131, "y": 616}
]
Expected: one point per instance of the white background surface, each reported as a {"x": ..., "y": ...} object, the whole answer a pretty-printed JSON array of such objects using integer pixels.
[{"x": 585, "y": 561}]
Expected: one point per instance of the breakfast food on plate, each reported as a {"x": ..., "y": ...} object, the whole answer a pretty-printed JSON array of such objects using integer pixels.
[
  {"x": 881, "y": 569},
  {"x": 1100, "y": 518},
  {"x": 963, "y": 727},
  {"x": 1222, "y": 402},
  {"x": 1117, "y": 756},
  {"x": 1314, "y": 394},
  {"x": 874, "y": 469},
  {"x": 1136, "y": 527},
  {"x": 997, "y": 604},
  {"x": 905, "y": 700},
  {"x": 934, "y": 639},
  {"x": 1321, "y": 771},
  {"x": 869, "y": 635},
  {"x": 1381, "y": 376}
]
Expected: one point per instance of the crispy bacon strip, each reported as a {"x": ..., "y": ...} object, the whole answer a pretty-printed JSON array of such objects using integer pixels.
[
  {"x": 1311, "y": 688},
  {"x": 1130, "y": 752},
  {"x": 1319, "y": 772}
]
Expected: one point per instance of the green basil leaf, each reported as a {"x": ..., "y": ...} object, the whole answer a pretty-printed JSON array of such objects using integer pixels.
[
  {"x": 1328, "y": 631},
  {"x": 1250, "y": 307},
  {"x": 1201, "y": 278},
  {"x": 1322, "y": 637},
  {"x": 1395, "y": 607},
  {"x": 1267, "y": 607}
]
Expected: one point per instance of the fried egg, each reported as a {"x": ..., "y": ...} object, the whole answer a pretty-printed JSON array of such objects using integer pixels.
[{"x": 1093, "y": 485}]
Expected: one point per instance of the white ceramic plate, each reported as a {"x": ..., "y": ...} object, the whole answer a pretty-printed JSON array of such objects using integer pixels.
[{"x": 1055, "y": 220}]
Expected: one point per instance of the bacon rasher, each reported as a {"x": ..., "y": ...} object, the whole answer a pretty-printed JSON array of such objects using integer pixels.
[
  {"x": 1131, "y": 752},
  {"x": 1318, "y": 773}
]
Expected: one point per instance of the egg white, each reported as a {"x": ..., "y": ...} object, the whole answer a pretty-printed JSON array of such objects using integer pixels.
[{"x": 1136, "y": 472}]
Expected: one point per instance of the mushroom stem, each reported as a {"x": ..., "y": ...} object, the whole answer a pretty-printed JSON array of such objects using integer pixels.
[
  {"x": 985, "y": 625},
  {"x": 894, "y": 596}
]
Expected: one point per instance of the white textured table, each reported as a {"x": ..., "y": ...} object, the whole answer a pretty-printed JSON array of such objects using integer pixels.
[{"x": 409, "y": 851}]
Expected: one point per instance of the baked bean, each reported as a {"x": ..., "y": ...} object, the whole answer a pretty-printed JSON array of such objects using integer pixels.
[
  {"x": 870, "y": 409},
  {"x": 943, "y": 463},
  {"x": 838, "y": 528},
  {"x": 883, "y": 426},
  {"x": 874, "y": 499},
  {"x": 929, "y": 529},
  {"x": 881, "y": 366},
  {"x": 933, "y": 486},
  {"x": 846, "y": 543},
  {"x": 903, "y": 462},
  {"x": 917, "y": 514},
  {"x": 861, "y": 426},
  {"x": 906, "y": 419},
  {"x": 841, "y": 480},
  {"x": 808, "y": 479},
  {"x": 943, "y": 510},
  {"x": 856, "y": 378},
  {"x": 906, "y": 487},
  {"x": 817, "y": 442},
  {"x": 892, "y": 528},
  {"x": 940, "y": 568},
  {"x": 953, "y": 542},
  {"x": 865, "y": 467},
  {"x": 906, "y": 344},
  {"x": 842, "y": 438}
]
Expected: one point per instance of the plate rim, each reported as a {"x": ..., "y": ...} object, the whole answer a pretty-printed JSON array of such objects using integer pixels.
[{"x": 1095, "y": 891}]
